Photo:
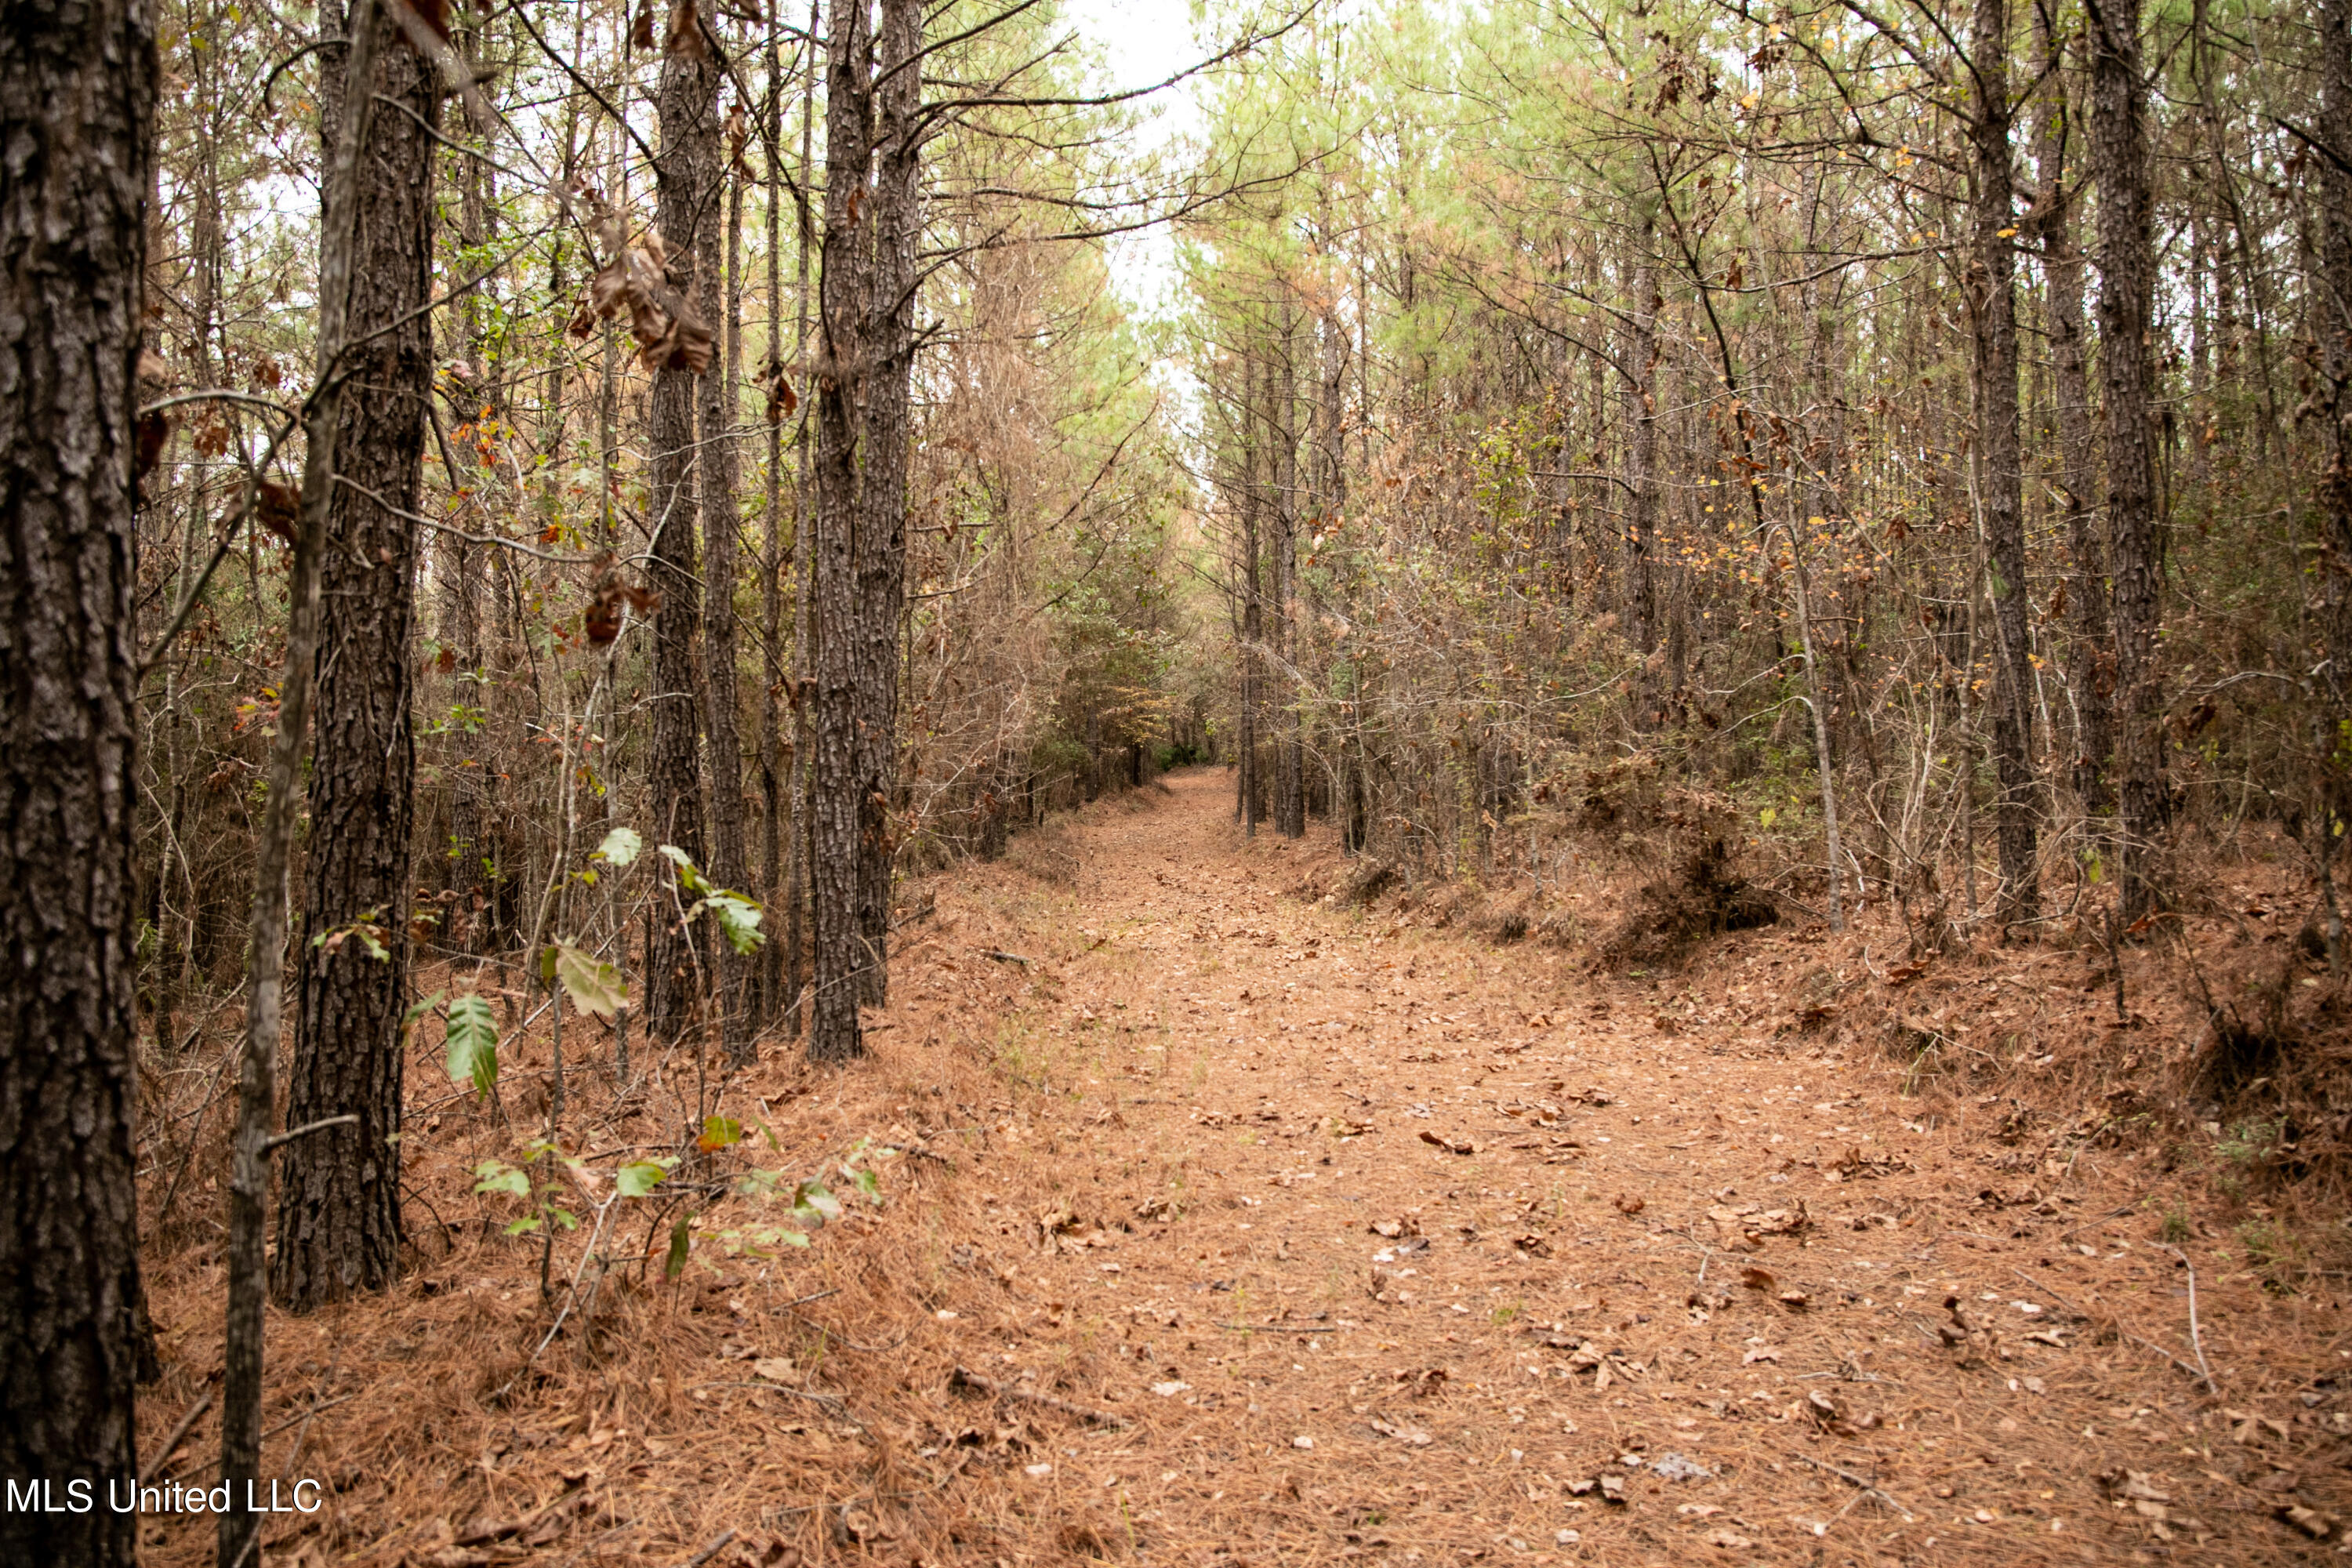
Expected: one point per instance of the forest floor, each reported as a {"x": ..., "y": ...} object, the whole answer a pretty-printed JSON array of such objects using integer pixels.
[{"x": 1225, "y": 1227}]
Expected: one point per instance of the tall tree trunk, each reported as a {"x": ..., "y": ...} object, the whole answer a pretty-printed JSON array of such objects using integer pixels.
[
  {"x": 1992, "y": 280},
  {"x": 835, "y": 857},
  {"x": 1641, "y": 447},
  {"x": 175, "y": 937},
  {"x": 722, "y": 300},
  {"x": 77, "y": 116},
  {"x": 241, "y": 1353},
  {"x": 466, "y": 742},
  {"x": 339, "y": 1197},
  {"x": 1334, "y": 497},
  {"x": 1282, "y": 546},
  {"x": 2127, "y": 226},
  {"x": 2090, "y": 654},
  {"x": 881, "y": 548},
  {"x": 2330, "y": 309},
  {"x": 1824, "y": 758},
  {"x": 1254, "y": 460},
  {"x": 800, "y": 774},
  {"x": 774, "y": 809},
  {"x": 2331, "y": 328},
  {"x": 683, "y": 175}
]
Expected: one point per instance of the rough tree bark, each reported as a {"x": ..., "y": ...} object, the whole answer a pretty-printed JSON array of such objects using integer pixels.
[
  {"x": 2126, "y": 228},
  {"x": 2330, "y": 325},
  {"x": 798, "y": 772},
  {"x": 1641, "y": 438},
  {"x": 2091, "y": 657},
  {"x": 833, "y": 808},
  {"x": 1334, "y": 490},
  {"x": 778, "y": 548},
  {"x": 881, "y": 545},
  {"x": 1252, "y": 427},
  {"x": 355, "y": 53},
  {"x": 717, "y": 291},
  {"x": 1992, "y": 287},
  {"x": 2331, "y": 328},
  {"x": 339, "y": 1194},
  {"x": 1282, "y": 551},
  {"x": 690, "y": 144},
  {"x": 77, "y": 145},
  {"x": 460, "y": 573}
]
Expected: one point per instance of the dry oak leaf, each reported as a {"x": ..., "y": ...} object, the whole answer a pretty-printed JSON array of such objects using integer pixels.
[
  {"x": 2136, "y": 1486},
  {"x": 2311, "y": 1521},
  {"x": 1412, "y": 1435},
  {"x": 2246, "y": 1426},
  {"x": 782, "y": 399},
  {"x": 1826, "y": 1414}
]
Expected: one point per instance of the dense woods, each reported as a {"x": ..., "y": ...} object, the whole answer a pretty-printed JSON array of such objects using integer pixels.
[
  {"x": 529, "y": 524},
  {"x": 1709, "y": 402}
]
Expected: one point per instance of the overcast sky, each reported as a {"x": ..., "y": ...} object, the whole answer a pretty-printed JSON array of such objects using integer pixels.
[{"x": 1142, "y": 42}]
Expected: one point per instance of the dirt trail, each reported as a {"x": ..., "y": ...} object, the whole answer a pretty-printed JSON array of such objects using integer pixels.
[
  {"x": 1390, "y": 1243},
  {"x": 1374, "y": 1242}
]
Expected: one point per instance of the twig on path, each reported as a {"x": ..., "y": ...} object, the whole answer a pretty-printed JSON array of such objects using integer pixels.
[
  {"x": 709, "y": 1552},
  {"x": 965, "y": 1378},
  {"x": 1277, "y": 1328},
  {"x": 164, "y": 1210},
  {"x": 2205, "y": 1377},
  {"x": 304, "y": 1414},
  {"x": 309, "y": 1411},
  {"x": 2196, "y": 1340},
  {"x": 163, "y": 1455},
  {"x": 1869, "y": 1486},
  {"x": 335, "y": 1364}
]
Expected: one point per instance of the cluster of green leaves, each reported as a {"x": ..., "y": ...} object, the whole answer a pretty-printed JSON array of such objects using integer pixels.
[
  {"x": 738, "y": 917},
  {"x": 791, "y": 1209},
  {"x": 470, "y": 1029},
  {"x": 593, "y": 985},
  {"x": 535, "y": 1180}
]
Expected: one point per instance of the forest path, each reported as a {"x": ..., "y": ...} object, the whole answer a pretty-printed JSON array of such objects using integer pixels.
[{"x": 1383, "y": 1241}]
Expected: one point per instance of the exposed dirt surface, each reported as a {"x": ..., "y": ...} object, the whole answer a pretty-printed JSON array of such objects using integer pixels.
[{"x": 1266, "y": 1231}]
